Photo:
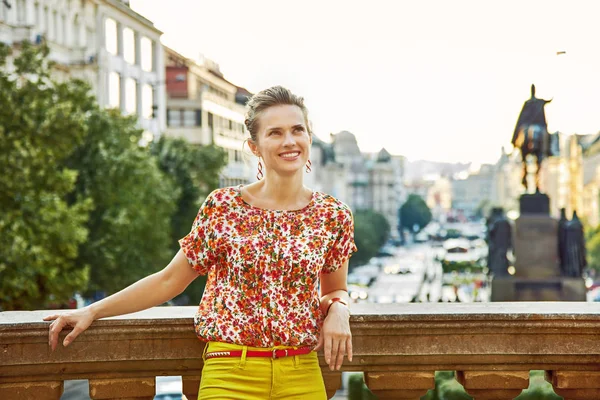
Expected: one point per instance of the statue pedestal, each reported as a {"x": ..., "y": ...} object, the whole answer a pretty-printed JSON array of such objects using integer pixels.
[
  {"x": 536, "y": 246},
  {"x": 537, "y": 265},
  {"x": 508, "y": 288}
]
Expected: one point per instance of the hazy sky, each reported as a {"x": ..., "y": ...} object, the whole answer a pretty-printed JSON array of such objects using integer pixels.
[{"x": 434, "y": 79}]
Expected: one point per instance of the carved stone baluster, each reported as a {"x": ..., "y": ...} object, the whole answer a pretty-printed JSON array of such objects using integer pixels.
[
  {"x": 400, "y": 385},
  {"x": 191, "y": 386},
  {"x": 493, "y": 385},
  {"x": 575, "y": 385},
  {"x": 123, "y": 389},
  {"x": 333, "y": 381},
  {"x": 32, "y": 390}
]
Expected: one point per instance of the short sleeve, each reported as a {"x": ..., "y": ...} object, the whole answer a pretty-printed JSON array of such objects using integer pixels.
[
  {"x": 343, "y": 246},
  {"x": 197, "y": 245}
]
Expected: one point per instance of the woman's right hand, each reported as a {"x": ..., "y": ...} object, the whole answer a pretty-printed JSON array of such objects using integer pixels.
[{"x": 79, "y": 320}]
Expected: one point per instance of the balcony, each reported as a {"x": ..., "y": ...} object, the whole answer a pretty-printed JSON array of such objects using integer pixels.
[{"x": 492, "y": 347}]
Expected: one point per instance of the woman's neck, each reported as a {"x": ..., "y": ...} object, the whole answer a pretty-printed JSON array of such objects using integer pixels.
[{"x": 280, "y": 192}]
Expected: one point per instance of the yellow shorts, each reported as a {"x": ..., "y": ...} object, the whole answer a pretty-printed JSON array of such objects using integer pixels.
[{"x": 260, "y": 378}]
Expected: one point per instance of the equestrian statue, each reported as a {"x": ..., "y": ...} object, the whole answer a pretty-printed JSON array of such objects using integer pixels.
[{"x": 531, "y": 135}]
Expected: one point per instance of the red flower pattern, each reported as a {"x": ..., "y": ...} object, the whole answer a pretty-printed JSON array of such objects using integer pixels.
[{"x": 263, "y": 267}]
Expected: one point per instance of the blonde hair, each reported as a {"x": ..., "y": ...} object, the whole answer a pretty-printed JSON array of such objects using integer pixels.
[{"x": 273, "y": 96}]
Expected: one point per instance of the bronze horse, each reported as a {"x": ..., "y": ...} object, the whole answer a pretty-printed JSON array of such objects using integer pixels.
[{"x": 531, "y": 135}]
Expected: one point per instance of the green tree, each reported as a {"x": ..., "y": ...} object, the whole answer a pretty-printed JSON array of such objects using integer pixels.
[
  {"x": 592, "y": 244},
  {"x": 130, "y": 225},
  {"x": 414, "y": 212},
  {"x": 371, "y": 231},
  {"x": 41, "y": 123},
  {"x": 195, "y": 172}
]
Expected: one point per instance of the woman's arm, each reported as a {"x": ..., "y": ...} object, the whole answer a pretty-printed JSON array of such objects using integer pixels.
[
  {"x": 148, "y": 292},
  {"x": 336, "y": 337}
]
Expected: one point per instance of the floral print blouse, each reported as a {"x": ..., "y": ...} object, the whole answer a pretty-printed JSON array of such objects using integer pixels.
[{"x": 263, "y": 267}]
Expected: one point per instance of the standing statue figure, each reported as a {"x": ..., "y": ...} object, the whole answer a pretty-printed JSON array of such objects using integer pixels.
[
  {"x": 531, "y": 135},
  {"x": 562, "y": 241},
  {"x": 575, "y": 255},
  {"x": 499, "y": 242}
]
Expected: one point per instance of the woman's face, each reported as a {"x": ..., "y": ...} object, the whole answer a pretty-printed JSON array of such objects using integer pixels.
[{"x": 283, "y": 140}]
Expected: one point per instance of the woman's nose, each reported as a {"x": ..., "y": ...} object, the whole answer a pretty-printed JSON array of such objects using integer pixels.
[{"x": 289, "y": 139}]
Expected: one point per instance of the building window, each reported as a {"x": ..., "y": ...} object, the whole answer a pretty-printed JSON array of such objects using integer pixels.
[
  {"x": 210, "y": 121},
  {"x": 54, "y": 26},
  {"x": 63, "y": 27},
  {"x": 230, "y": 125},
  {"x": 114, "y": 90},
  {"x": 21, "y": 11},
  {"x": 174, "y": 118},
  {"x": 198, "y": 117},
  {"x": 46, "y": 21},
  {"x": 131, "y": 96},
  {"x": 189, "y": 118},
  {"x": 129, "y": 45},
  {"x": 36, "y": 16},
  {"x": 147, "y": 101},
  {"x": 147, "y": 54},
  {"x": 110, "y": 36}
]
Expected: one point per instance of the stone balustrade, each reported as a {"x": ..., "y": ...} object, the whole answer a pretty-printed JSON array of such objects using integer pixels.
[{"x": 492, "y": 346}]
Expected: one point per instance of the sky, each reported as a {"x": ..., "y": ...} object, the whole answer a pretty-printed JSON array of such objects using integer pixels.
[{"x": 438, "y": 80}]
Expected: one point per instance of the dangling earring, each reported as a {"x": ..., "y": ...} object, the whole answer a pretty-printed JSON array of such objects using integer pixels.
[
  {"x": 260, "y": 174},
  {"x": 308, "y": 165}
]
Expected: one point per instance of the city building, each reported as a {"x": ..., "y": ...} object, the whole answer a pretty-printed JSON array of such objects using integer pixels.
[
  {"x": 507, "y": 181},
  {"x": 473, "y": 193},
  {"x": 561, "y": 177},
  {"x": 204, "y": 108},
  {"x": 103, "y": 42},
  {"x": 363, "y": 181}
]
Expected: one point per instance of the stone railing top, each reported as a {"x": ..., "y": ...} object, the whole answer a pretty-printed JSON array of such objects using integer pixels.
[
  {"x": 386, "y": 337},
  {"x": 509, "y": 311}
]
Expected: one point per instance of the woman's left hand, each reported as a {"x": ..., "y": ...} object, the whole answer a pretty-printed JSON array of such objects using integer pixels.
[{"x": 335, "y": 338}]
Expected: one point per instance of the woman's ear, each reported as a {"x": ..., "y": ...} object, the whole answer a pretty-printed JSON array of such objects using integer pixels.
[{"x": 253, "y": 147}]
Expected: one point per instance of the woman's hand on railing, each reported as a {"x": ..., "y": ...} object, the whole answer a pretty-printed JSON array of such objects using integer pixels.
[
  {"x": 79, "y": 320},
  {"x": 336, "y": 338}
]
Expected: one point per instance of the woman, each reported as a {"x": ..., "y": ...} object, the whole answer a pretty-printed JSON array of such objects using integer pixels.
[{"x": 268, "y": 248}]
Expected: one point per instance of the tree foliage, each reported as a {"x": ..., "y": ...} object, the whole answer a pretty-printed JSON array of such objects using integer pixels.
[
  {"x": 592, "y": 244},
  {"x": 133, "y": 203},
  {"x": 195, "y": 172},
  {"x": 41, "y": 123},
  {"x": 371, "y": 231},
  {"x": 414, "y": 212},
  {"x": 82, "y": 206}
]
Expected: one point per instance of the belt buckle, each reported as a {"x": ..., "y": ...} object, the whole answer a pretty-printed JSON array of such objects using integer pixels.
[{"x": 275, "y": 353}]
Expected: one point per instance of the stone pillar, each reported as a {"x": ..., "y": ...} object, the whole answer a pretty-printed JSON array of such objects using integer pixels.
[
  {"x": 191, "y": 386},
  {"x": 400, "y": 385},
  {"x": 575, "y": 385},
  {"x": 333, "y": 381},
  {"x": 124, "y": 388},
  {"x": 493, "y": 385}
]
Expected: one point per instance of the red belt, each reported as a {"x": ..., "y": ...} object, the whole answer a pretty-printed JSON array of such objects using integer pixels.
[{"x": 274, "y": 354}]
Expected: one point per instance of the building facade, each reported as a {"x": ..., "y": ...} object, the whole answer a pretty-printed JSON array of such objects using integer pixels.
[
  {"x": 471, "y": 194},
  {"x": 363, "y": 181},
  {"x": 104, "y": 42},
  {"x": 204, "y": 108}
]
